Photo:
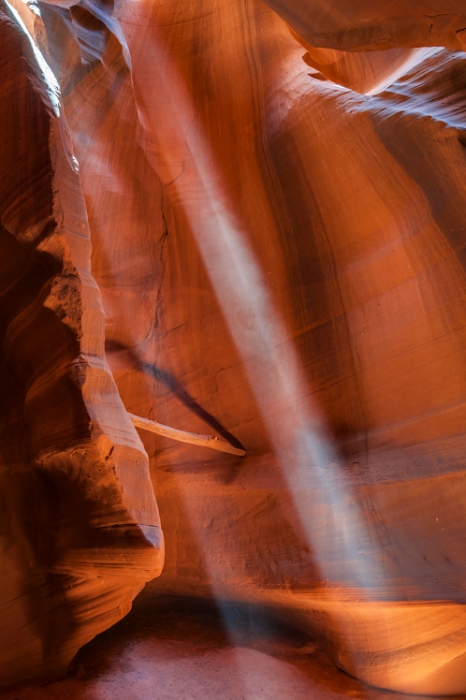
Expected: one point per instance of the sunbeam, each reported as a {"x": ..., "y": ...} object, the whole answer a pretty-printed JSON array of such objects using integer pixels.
[{"x": 296, "y": 428}]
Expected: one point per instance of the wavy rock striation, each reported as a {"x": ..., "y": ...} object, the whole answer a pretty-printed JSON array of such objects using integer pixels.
[
  {"x": 79, "y": 530},
  {"x": 280, "y": 260}
]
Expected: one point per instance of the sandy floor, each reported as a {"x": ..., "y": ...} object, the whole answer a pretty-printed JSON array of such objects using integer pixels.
[{"x": 167, "y": 650}]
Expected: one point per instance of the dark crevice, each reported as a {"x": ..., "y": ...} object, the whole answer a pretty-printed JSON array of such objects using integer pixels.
[{"x": 163, "y": 239}]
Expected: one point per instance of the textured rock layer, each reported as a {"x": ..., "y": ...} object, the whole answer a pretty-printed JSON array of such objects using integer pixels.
[
  {"x": 79, "y": 526},
  {"x": 280, "y": 261}
]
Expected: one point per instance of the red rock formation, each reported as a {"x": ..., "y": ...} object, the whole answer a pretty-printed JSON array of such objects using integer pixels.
[
  {"x": 280, "y": 262},
  {"x": 79, "y": 526},
  {"x": 371, "y": 26}
]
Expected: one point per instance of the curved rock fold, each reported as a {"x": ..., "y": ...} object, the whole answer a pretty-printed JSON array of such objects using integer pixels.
[{"x": 234, "y": 228}]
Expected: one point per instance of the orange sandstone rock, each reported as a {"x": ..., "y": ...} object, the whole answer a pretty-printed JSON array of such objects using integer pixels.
[
  {"x": 280, "y": 261},
  {"x": 79, "y": 531},
  {"x": 371, "y": 26}
]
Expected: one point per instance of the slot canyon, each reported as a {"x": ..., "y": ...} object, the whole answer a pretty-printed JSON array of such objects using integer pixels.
[{"x": 232, "y": 349}]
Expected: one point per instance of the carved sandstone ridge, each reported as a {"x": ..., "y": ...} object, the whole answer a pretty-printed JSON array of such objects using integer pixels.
[
  {"x": 366, "y": 46},
  {"x": 366, "y": 72},
  {"x": 372, "y": 26},
  {"x": 282, "y": 261},
  {"x": 78, "y": 538}
]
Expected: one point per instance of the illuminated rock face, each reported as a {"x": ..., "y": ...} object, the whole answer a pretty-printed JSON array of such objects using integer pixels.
[
  {"x": 79, "y": 531},
  {"x": 280, "y": 261}
]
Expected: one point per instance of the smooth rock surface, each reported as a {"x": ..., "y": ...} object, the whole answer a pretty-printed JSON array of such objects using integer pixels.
[
  {"x": 280, "y": 261},
  {"x": 174, "y": 649},
  {"x": 367, "y": 25}
]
